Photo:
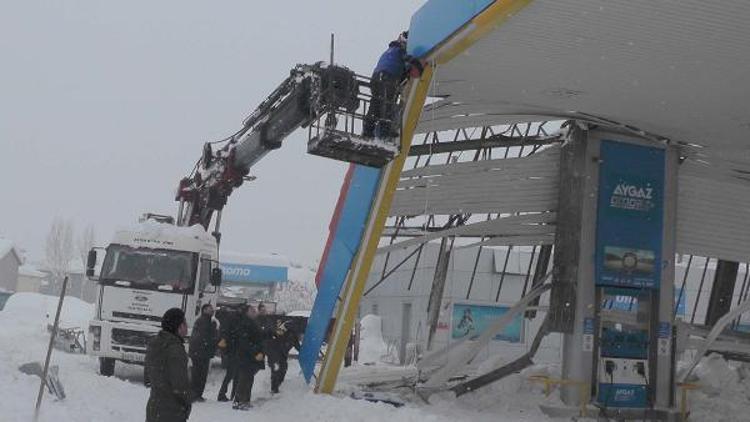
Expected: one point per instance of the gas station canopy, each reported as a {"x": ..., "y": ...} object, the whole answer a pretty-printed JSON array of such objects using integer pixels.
[{"x": 673, "y": 70}]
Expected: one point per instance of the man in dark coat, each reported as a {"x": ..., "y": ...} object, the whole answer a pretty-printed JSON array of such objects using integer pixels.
[
  {"x": 250, "y": 357},
  {"x": 202, "y": 349},
  {"x": 166, "y": 366},
  {"x": 277, "y": 347},
  {"x": 392, "y": 68},
  {"x": 228, "y": 346}
]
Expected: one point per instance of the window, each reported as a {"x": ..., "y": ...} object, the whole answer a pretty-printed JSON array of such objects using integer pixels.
[
  {"x": 204, "y": 281},
  {"x": 152, "y": 269}
]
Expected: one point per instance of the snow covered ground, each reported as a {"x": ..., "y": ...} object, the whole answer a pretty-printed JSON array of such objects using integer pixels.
[{"x": 122, "y": 398}]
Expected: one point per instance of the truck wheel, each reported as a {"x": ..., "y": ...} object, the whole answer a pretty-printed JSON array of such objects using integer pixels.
[{"x": 106, "y": 367}]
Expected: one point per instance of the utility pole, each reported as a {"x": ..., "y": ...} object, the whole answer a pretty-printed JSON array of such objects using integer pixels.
[{"x": 52, "y": 336}]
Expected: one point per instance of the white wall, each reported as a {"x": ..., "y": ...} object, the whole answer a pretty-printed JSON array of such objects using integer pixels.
[{"x": 388, "y": 298}]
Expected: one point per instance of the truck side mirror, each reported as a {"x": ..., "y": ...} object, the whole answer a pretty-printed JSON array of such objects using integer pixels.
[
  {"x": 94, "y": 264},
  {"x": 216, "y": 276},
  {"x": 91, "y": 263}
]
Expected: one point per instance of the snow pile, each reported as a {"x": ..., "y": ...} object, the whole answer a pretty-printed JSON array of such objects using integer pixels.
[
  {"x": 514, "y": 394},
  {"x": 31, "y": 271},
  {"x": 715, "y": 375},
  {"x": 722, "y": 395},
  {"x": 372, "y": 348},
  {"x": 298, "y": 294},
  {"x": 34, "y": 310},
  {"x": 294, "y": 296}
]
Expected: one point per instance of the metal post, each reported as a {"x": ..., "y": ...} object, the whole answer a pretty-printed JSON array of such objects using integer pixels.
[
  {"x": 180, "y": 210},
  {"x": 217, "y": 226},
  {"x": 684, "y": 281},
  {"x": 573, "y": 300},
  {"x": 52, "y": 336},
  {"x": 700, "y": 290},
  {"x": 332, "y": 47},
  {"x": 438, "y": 287},
  {"x": 722, "y": 289},
  {"x": 502, "y": 275}
]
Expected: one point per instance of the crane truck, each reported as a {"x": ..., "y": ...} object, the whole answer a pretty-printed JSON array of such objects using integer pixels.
[{"x": 170, "y": 262}]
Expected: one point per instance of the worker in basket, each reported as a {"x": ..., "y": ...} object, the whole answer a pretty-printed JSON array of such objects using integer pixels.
[{"x": 392, "y": 69}]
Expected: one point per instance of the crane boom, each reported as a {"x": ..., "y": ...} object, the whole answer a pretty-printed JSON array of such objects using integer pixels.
[{"x": 326, "y": 98}]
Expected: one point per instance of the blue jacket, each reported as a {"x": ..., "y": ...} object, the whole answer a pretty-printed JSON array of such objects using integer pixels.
[{"x": 392, "y": 61}]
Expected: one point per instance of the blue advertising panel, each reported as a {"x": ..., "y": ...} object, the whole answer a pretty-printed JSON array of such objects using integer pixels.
[
  {"x": 622, "y": 395},
  {"x": 630, "y": 303},
  {"x": 630, "y": 215},
  {"x": 347, "y": 228},
  {"x": 471, "y": 321},
  {"x": 247, "y": 273}
]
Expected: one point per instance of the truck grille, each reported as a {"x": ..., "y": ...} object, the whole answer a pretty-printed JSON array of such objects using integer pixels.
[
  {"x": 128, "y": 315},
  {"x": 131, "y": 337}
]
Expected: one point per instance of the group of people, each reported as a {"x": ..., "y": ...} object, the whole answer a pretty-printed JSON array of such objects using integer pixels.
[
  {"x": 245, "y": 341},
  {"x": 248, "y": 339}
]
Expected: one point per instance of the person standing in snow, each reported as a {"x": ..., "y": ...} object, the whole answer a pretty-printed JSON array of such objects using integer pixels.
[
  {"x": 166, "y": 367},
  {"x": 250, "y": 357},
  {"x": 228, "y": 345},
  {"x": 393, "y": 67},
  {"x": 277, "y": 347},
  {"x": 202, "y": 349}
]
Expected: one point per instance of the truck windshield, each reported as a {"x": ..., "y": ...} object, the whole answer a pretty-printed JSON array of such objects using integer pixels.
[{"x": 151, "y": 269}]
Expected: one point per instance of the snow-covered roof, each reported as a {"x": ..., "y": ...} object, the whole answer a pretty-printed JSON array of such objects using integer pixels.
[
  {"x": 30, "y": 271},
  {"x": 155, "y": 229},
  {"x": 271, "y": 260},
  {"x": 75, "y": 266},
  {"x": 6, "y": 247},
  {"x": 152, "y": 234}
]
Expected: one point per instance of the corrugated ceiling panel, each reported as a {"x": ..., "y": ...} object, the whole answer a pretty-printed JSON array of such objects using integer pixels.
[
  {"x": 712, "y": 214},
  {"x": 527, "y": 184},
  {"x": 676, "y": 68},
  {"x": 537, "y": 227}
]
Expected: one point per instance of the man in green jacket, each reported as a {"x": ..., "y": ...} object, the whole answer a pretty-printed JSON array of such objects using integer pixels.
[{"x": 166, "y": 367}]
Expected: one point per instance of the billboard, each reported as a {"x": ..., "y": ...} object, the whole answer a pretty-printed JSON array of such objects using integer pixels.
[
  {"x": 470, "y": 320},
  {"x": 257, "y": 274},
  {"x": 630, "y": 215}
]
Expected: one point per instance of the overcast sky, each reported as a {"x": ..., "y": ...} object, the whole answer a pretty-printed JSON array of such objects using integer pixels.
[{"x": 104, "y": 106}]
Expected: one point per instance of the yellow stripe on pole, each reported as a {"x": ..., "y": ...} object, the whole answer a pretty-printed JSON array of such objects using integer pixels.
[
  {"x": 359, "y": 273},
  {"x": 493, "y": 16}
]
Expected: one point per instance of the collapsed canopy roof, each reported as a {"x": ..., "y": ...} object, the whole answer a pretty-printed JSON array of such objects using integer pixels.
[{"x": 673, "y": 69}]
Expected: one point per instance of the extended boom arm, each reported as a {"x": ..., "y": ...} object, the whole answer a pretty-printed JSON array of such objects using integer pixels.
[{"x": 313, "y": 95}]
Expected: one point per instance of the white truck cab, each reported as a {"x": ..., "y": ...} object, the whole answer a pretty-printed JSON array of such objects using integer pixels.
[{"x": 146, "y": 270}]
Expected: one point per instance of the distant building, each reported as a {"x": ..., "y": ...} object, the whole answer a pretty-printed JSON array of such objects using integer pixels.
[
  {"x": 30, "y": 279},
  {"x": 78, "y": 284},
  {"x": 10, "y": 260}
]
